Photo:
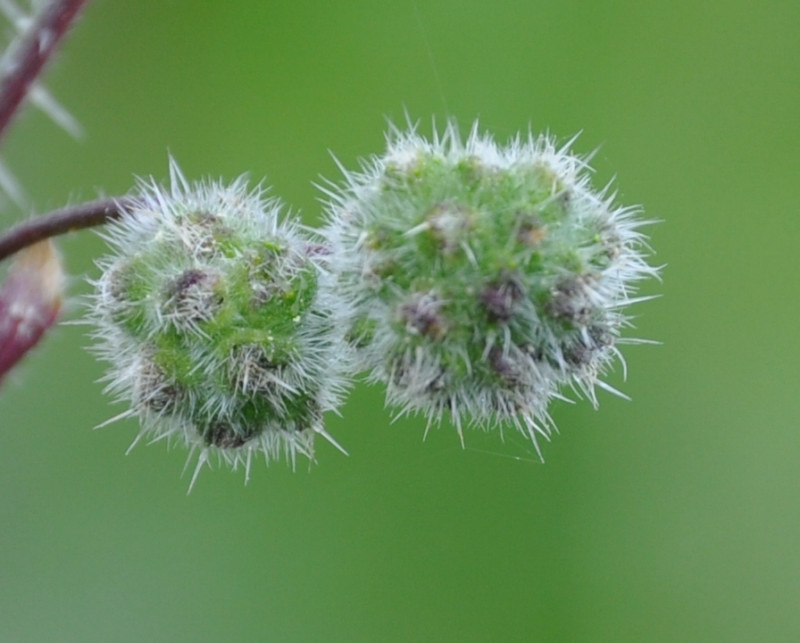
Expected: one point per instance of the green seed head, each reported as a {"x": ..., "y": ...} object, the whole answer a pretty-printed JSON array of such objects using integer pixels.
[
  {"x": 216, "y": 320},
  {"x": 486, "y": 277}
]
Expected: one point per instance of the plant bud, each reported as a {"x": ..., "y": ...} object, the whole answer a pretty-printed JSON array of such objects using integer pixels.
[
  {"x": 217, "y": 324},
  {"x": 489, "y": 277}
]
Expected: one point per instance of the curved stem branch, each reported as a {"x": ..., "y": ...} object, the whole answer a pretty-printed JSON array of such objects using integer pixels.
[
  {"x": 85, "y": 215},
  {"x": 27, "y": 61}
]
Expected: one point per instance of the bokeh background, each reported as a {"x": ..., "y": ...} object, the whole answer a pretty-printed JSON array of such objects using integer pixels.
[{"x": 675, "y": 516}]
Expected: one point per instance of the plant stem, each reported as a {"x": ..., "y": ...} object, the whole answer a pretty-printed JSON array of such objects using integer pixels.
[
  {"x": 26, "y": 63},
  {"x": 85, "y": 215}
]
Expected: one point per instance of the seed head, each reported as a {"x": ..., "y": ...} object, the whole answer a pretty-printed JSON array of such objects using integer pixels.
[
  {"x": 483, "y": 278},
  {"x": 216, "y": 319}
]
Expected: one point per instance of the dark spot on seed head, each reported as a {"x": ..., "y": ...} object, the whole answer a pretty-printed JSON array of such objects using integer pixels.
[
  {"x": 192, "y": 295},
  {"x": 570, "y": 302},
  {"x": 503, "y": 366},
  {"x": 224, "y": 436},
  {"x": 317, "y": 250},
  {"x": 585, "y": 349},
  {"x": 156, "y": 391},
  {"x": 189, "y": 278},
  {"x": 531, "y": 230},
  {"x": 500, "y": 297},
  {"x": 423, "y": 316}
]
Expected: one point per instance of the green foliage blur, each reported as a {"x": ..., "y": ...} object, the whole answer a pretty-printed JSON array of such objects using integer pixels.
[{"x": 672, "y": 517}]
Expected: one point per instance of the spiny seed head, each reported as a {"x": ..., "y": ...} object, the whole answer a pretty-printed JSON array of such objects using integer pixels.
[
  {"x": 217, "y": 321},
  {"x": 483, "y": 278}
]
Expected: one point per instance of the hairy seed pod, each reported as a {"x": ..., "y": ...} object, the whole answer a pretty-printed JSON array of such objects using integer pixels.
[
  {"x": 489, "y": 276},
  {"x": 217, "y": 322}
]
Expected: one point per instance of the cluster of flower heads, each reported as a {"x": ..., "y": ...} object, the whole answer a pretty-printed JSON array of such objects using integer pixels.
[
  {"x": 474, "y": 281},
  {"x": 483, "y": 278},
  {"x": 216, "y": 322}
]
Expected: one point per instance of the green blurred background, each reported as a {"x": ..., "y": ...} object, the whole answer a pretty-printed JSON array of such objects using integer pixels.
[{"x": 674, "y": 517}]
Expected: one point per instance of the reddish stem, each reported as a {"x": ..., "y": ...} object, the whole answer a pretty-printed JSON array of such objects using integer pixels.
[
  {"x": 85, "y": 215},
  {"x": 27, "y": 62}
]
